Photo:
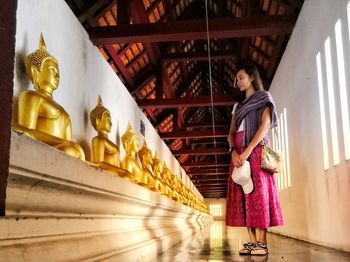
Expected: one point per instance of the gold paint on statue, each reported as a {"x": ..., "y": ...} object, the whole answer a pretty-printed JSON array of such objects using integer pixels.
[
  {"x": 167, "y": 181},
  {"x": 129, "y": 162},
  {"x": 157, "y": 171},
  {"x": 105, "y": 152},
  {"x": 182, "y": 191},
  {"x": 147, "y": 177},
  {"x": 39, "y": 116},
  {"x": 175, "y": 187}
]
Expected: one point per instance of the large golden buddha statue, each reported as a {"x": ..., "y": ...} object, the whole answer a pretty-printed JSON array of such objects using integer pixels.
[
  {"x": 39, "y": 116},
  {"x": 129, "y": 162},
  {"x": 147, "y": 177},
  {"x": 105, "y": 152}
]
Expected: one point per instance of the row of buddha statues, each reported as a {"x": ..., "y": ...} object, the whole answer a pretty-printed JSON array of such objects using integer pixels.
[{"x": 41, "y": 118}]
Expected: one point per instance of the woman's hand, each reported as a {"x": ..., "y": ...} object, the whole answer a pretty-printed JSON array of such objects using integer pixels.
[
  {"x": 235, "y": 159},
  {"x": 244, "y": 156}
]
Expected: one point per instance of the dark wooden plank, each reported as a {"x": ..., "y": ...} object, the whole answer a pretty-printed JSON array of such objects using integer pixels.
[
  {"x": 7, "y": 45},
  {"x": 193, "y": 29}
]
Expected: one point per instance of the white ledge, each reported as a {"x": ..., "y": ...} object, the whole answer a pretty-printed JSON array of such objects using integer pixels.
[{"x": 59, "y": 208}]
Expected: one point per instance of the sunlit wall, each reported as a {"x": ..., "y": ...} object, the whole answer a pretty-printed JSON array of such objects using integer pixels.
[
  {"x": 217, "y": 207},
  {"x": 311, "y": 90}
]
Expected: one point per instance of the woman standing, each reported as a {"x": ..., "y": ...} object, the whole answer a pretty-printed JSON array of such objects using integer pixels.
[{"x": 252, "y": 119}]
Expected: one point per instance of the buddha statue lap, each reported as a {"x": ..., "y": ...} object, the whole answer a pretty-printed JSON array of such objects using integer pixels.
[
  {"x": 147, "y": 176},
  {"x": 39, "y": 116},
  {"x": 129, "y": 162},
  {"x": 105, "y": 152}
]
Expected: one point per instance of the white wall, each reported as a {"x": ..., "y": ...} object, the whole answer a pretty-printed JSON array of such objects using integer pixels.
[
  {"x": 84, "y": 74},
  {"x": 217, "y": 201},
  {"x": 315, "y": 207}
]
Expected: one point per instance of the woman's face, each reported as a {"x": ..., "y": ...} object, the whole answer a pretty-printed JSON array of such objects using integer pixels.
[{"x": 244, "y": 81}]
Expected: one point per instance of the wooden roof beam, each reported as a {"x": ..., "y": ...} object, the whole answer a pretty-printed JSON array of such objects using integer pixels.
[
  {"x": 213, "y": 151},
  {"x": 199, "y": 56},
  {"x": 197, "y": 101},
  {"x": 208, "y": 172},
  {"x": 195, "y": 29},
  {"x": 206, "y": 125},
  {"x": 194, "y": 134},
  {"x": 205, "y": 164}
]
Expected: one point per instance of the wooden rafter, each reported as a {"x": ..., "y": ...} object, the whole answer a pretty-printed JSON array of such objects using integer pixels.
[
  {"x": 194, "y": 134},
  {"x": 196, "y": 29},
  {"x": 218, "y": 151},
  {"x": 200, "y": 56},
  {"x": 205, "y": 164},
  {"x": 197, "y": 101}
]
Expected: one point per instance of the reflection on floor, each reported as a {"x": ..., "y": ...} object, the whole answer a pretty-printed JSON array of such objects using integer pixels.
[{"x": 221, "y": 243}]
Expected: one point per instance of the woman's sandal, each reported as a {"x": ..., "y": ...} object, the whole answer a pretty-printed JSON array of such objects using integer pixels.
[
  {"x": 247, "y": 248},
  {"x": 260, "y": 249}
]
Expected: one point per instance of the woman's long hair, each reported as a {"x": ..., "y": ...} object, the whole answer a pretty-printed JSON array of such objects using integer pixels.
[{"x": 253, "y": 72}]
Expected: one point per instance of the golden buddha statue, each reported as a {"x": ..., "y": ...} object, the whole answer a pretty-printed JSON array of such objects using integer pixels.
[
  {"x": 175, "y": 187},
  {"x": 185, "y": 195},
  {"x": 39, "y": 116},
  {"x": 182, "y": 192},
  {"x": 167, "y": 181},
  {"x": 105, "y": 152},
  {"x": 129, "y": 162},
  {"x": 157, "y": 171},
  {"x": 147, "y": 177}
]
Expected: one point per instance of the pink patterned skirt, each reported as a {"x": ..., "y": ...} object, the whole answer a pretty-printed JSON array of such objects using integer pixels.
[{"x": 259, "y": 209}]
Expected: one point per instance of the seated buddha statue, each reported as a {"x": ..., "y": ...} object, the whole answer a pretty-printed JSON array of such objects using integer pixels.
[
  {"x": 157, "y": 171},
  {"x": 129, "y": 162},
  {"x": 184, "y": 195},
  {"x": 166, "y": 175},
  {"x": 175, "y": 187},
  {"x": 181, "y": 190},
  {"x": 147, "y": 177},
  {"x": 190, "y": 199},
  {"x": 39, "y": 116},
  {"x": 105, "y": 152}
]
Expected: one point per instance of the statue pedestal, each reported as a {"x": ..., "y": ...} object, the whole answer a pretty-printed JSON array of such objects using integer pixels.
[{"x": 59, "y": 208}]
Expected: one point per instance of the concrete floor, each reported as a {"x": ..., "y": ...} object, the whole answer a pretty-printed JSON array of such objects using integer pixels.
[{"x": 221, "y": 243}]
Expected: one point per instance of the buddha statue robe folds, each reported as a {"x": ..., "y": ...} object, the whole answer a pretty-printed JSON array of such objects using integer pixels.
[
  {"x": 105, "y": 152},
  {"x": 39, "y": 116}
]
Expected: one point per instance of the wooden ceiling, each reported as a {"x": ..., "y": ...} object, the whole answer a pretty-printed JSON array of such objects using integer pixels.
[{"x": 159, "y": 50}]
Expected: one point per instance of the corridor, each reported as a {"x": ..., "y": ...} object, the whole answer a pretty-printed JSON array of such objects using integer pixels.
[
  {"x": 221, "y": 243},
  {"x": 120, "y": 122}
]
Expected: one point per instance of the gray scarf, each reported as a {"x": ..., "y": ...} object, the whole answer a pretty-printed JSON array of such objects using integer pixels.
[{"x": 251, "y": 110}]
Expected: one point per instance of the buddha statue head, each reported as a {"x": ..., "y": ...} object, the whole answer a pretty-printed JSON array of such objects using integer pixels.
[
  {"x": 129, "y": 140},
  {"x": 145, "y": 155},
  {"x": 100, "y": 118},
  {"x": 42, "y": 69}
]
